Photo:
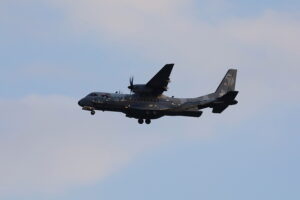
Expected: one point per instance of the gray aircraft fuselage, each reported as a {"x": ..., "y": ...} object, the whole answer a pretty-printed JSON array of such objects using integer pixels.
[{"x": 151, "y": 105}]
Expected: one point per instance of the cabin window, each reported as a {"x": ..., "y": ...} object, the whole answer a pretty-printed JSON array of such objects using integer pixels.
[{"x": 105, "y": 95}]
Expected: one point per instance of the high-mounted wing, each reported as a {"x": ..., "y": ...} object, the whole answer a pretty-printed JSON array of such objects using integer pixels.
[{"x": 160, "y": 81}]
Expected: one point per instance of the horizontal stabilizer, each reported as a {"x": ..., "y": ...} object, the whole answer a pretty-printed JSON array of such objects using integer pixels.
[
  {"x": 229, "y": 96},
  {"x": 223, "y": 102},
  {"x": 219, "y": 108}
]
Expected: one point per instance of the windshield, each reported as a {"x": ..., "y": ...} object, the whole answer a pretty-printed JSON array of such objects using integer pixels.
[{"x": 93, "y": 94}]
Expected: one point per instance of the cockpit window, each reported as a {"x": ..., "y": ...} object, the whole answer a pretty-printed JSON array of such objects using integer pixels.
[{"x": 93, "y": 94}]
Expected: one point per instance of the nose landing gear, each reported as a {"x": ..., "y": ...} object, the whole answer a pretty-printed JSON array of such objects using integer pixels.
[{"x": 93, "y": 112}]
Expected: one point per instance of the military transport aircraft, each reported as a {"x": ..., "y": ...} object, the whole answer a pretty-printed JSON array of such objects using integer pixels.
[{"x": 147, "y": 102}]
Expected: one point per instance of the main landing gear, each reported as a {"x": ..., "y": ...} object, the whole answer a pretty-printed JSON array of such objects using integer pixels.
[
  {"x": 93, "y": 112},
  {"x": 141, "y": 121}
]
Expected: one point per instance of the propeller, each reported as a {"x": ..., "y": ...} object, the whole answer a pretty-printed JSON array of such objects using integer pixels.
[{"x": 131, "y": 83}]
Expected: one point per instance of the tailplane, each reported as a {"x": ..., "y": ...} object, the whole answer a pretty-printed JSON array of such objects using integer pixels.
[
  {"x": 223, "y": 102},
  {"x": 226, "y": 92}
]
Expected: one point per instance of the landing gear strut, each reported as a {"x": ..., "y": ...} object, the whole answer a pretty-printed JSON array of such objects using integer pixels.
[
  {"x": 93, "y": 112},
  {"x": 141, "y": 121},
  {"x": 148, "y": 121}
]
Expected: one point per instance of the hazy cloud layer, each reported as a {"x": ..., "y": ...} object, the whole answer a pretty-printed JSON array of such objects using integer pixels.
[
  {"x": 47, "y": 144},
  {"x": 264, "y": 48}
]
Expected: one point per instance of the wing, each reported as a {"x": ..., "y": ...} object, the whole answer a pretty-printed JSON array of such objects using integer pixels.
[{"x": 160, "y": 81}]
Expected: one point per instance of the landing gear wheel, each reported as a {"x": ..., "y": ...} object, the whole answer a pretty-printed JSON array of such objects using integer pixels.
[
  {"x": 148, "y": 121},
  {"x": 141, "y": 121},
  {"x": 93, "y": 112}
]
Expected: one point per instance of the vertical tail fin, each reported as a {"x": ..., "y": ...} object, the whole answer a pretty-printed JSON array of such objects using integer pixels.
[{"x": 228, "y": 83}]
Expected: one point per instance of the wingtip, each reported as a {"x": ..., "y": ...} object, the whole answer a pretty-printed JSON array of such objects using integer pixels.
[{"x": 171, "y": 65}]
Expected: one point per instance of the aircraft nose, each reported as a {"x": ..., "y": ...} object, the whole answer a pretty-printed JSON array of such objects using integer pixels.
[{"x": 80, "y": 103}]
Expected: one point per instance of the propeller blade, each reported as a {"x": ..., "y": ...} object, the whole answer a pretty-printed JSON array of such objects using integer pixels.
[{"x": 131, "y": 83}]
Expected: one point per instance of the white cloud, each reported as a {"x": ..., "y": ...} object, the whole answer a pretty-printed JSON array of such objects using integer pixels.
[
  {"x": 272, "y": 30},
  {"x": 265, "y": 46},
  {"x": 168, "y": 24},
  {"x": 165, "y": 31},
  {"x": 47, "y": 144}
]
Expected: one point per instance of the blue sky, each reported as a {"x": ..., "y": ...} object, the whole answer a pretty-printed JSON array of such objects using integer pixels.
[{"x": 53, "y": 52}]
